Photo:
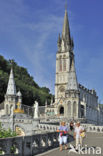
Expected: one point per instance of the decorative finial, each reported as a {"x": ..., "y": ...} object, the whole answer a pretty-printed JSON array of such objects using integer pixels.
[
  {"x": 59, "y": 39},
  {"x": 66, "y": 5}
]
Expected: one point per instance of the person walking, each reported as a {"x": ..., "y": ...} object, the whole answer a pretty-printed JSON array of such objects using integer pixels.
[
  {"x": 63, "y": 135},
  {"x": 78, "y": 134},
  {"x": 71, "y": 126}
]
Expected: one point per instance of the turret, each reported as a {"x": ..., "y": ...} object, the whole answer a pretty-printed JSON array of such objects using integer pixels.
[
  {"x": 19, "y": 96},
  {"x": 10, "y": 97},
  {"x": 11, "y": 88},
  {"x": 59, "y": 43}
]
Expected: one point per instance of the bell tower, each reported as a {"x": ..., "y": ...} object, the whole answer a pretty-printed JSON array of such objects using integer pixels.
[{"x": 64, "y": 59}]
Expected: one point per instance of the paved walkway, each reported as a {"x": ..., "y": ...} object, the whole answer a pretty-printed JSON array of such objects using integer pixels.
[{"x": 93, "y": 140}]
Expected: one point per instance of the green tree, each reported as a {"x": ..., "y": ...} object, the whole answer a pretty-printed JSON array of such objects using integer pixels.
[{"x": 30, "y": 90}]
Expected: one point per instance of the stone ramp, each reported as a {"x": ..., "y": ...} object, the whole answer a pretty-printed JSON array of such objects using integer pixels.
[{"x": 92, "y": 140}]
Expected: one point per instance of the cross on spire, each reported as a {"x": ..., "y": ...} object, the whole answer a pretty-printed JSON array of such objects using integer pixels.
[{"x": 65, "y": 4}]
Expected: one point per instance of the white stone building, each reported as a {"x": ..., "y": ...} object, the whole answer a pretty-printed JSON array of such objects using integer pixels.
[
  {"x": 14, "y": 114},
  {"x": 72, "y": 100}
]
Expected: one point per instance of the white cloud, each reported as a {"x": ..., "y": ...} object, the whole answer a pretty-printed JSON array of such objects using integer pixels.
[{"x": 41, "y": 57}]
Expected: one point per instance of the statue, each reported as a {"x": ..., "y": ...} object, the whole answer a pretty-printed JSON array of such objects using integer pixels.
[
  {"x": 36, "y": 112},
  {"x": 11, "y": 111},
  {"x": 51, "y": 102},
  {"x": 46, "y": 103}
]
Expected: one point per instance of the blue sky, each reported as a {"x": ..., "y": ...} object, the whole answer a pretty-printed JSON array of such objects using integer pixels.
[{"x": 29, "y": 31}]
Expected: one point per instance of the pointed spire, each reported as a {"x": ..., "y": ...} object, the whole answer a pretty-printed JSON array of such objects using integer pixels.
[
  {"x": 11, "y": 88},
  {"x": 59, "y": 43},
  {"x": 66, "y": 29},
  {"x": 19, "y": 93},
  {"x": 66, "y": 4},
  {"x": 72, "y": 78},
  {"x": 59, "y": 39}
]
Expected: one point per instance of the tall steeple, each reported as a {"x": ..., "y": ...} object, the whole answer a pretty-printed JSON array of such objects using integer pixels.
[
  {"x": 72, "y": 78},
  {"x": 63, "y": 59},
  {"x": 66, "y": 28},
  {"x": 11, "y": 88},
  {"x": 65, "y": 42}
]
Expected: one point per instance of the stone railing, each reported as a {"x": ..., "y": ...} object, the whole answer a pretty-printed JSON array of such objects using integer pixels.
[
  {"x": 47, "y": 127},
  {"x": 28, "y": 145},
  {"x": 93, "y": 128},
  {"x": 53, "y": 128}
]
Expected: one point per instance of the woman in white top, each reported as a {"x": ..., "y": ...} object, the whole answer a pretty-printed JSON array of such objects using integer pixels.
[{"x": 77, "y": 134}]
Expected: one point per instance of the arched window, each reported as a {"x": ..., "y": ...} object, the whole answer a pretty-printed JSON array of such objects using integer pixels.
[
  {"x": 61, "y": 111},
  {"x": 74, "y": 109},
  {"x": 69, "y": 108},
  {"x": 82, "y": 111},
  {"x": 64, "y": 64},
  {"x": 19, "y": 131},
  {"x": 60, "y": 63}
]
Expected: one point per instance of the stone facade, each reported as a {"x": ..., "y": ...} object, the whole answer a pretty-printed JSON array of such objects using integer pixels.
[
  {"x": 21, "y": 123},
  {"x": 72, "y": 100},
  {"x": 16, "y": 116}
]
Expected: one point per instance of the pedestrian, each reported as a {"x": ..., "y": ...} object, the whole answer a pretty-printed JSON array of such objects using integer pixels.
[
  {"x": 78, "y": 132},
  {"x": 71, "y": 125},
  {"x": 63, "y": 135}
]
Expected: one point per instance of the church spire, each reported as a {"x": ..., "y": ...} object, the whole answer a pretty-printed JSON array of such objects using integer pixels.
[
  {"x": 72, "y": 78},
  {"x": 11, "y": 88},
  {"x": 66, "y": 28}
]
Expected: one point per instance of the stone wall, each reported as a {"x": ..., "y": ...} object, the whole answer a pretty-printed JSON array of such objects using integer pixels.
[
  {"x": 29, "y": 145},
  {"x": 38, "y": 143},
  {"x": 23, "y": 121}
]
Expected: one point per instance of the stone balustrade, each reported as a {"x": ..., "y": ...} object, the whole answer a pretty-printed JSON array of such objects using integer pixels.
[
  {"x": 88, "y": 127},
  {"x": 93, "y": 128},
  {"x": 38, "y": 143},
  {"x": 29, "y": 145},
  {"x": 47, "y": 127}
]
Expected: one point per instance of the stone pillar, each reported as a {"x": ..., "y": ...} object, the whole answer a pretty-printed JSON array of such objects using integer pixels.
[{"x": 12, "y": 118}]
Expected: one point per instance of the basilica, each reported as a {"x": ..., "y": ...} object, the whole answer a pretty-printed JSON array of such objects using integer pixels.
[{"x": 72, "y": 100}]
